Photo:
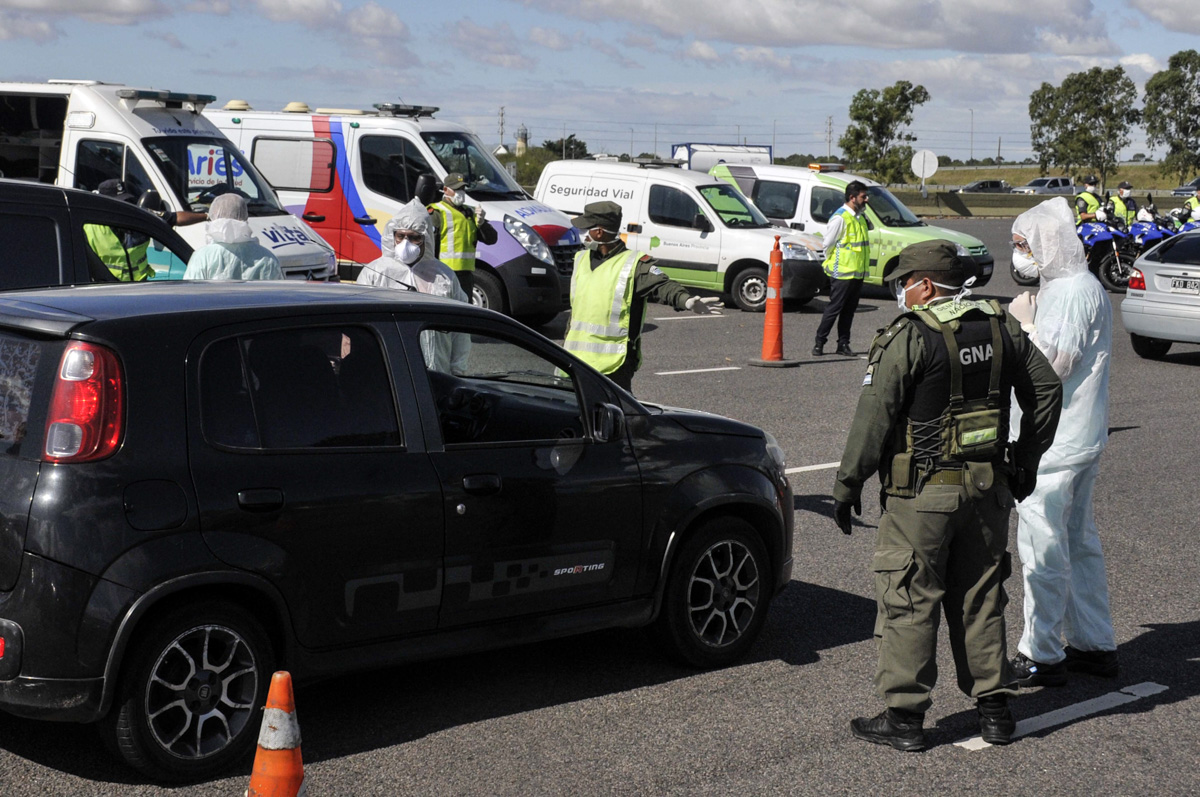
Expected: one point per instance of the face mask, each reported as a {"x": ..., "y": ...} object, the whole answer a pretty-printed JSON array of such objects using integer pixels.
[
  {"x": 592, "y": 244},
  {"x": 1093, "y": 189},
  {"x": 457, "y": 199},
  {"x": 1123, "y": 193},
  {"x": 408, "y": 252},
  {"x": 900, "y": 293},
  {"x": 1024, "y": 264}
]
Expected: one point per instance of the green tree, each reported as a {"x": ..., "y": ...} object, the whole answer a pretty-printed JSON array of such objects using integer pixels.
[
  {"x": 876, "y": 139},
  {"x": 530, "y": 165},
  {"x": 1084, "y": 122},
  {"x": 1172, "y": 114},
  {"x": 574, "y": 149}
]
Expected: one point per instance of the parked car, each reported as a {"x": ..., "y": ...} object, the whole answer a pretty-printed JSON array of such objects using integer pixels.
[
  {"x": 204, "y": 482},
  {"x": 1162, "y": 304},
  {"x": 1046, "y": 185},
  {"x": 44, "y": 236},
  {"x": 1187, "y": 189},
  {"x": 986, "y": 187}
]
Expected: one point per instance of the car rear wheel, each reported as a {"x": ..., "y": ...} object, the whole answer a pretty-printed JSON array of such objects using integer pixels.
[
  {"x": 488, "y": 292},
  {"x": 1150, "y": 348},
  {"x": 717, "y": 594},
  {"x": 749, "y": 289},
  {"x": 189, "y": 699}
]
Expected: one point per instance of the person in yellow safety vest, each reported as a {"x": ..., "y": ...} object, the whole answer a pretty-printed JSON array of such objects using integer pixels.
[
  {"x": 459, "y": 228},
  {"x": 610, "y": 287},
  {"x": 1087, "y": 203},
  {"x": 1125, "y": 207},
  {"x": 847, "y": 253},
  {"x": 1192, "y": 206},
  {"x": 123, "y": 251}
]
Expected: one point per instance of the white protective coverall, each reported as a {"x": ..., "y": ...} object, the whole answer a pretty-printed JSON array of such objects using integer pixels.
[
  {"x": 1066, "y": 589},
  {"x": 447, "y": 352},
  {"x": 230, "y": 251}
]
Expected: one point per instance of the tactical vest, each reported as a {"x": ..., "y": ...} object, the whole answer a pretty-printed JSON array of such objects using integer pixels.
[
  {"x": 456, "y": 248},
  {"x": 128, "y": 264},
  {"x": 958, "y": 411},
  {"x": 1091, "y": 203},
  {"x": 1122, "y": 211},
  {"x": 601, "y": 304},
  {"x": 852, "y": 253},
  {"x": 1193, "y": 207}
]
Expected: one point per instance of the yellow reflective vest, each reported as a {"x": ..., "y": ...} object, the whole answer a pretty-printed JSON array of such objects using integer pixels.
[
  {"x": 601, "y": 304},
  {"x": 459, "y": 235},
  {"x": 126, "y": 264},
  {"x": 1122, "y": 211},
  {"x": 1090, "y": 200},
  {"x": 850, "y": 255}
]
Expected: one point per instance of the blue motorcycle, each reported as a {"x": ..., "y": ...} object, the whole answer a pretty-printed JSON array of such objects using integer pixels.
[
  {"x": 1107, "y": 247},
  {"x": 1149, "y": 228}
]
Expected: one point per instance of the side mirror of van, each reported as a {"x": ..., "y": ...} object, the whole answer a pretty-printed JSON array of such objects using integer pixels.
[
  {"x": 700, "y": 222},
  {"x": 797, "y": 225},
  {"x": 428, "y": 189},
  {"x": 151, "y": 200}
]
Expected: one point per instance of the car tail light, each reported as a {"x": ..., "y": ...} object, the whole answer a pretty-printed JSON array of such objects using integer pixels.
[
  {"x": 87, "y": 406},
  {"x": 1137, "y": 281}
]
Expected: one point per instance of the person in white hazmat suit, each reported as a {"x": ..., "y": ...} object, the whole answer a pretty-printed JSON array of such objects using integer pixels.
[
  {"x": 407, "y": 265},
  {"x": 1066, "y": 589},
  {"x": 231, "y": 251}
]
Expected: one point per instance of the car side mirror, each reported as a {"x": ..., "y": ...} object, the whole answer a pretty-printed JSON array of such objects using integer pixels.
[
  {"x": 428, "y": 189},
  {"x": 151, "y": 200},
  {"x": 608, "y": 423},
  {"x": 700, "y": 222}
]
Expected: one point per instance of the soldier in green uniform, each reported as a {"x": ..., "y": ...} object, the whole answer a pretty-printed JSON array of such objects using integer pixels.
[
  {"x": 932, "y": 420},
  {"x": 610, "y": 287}
]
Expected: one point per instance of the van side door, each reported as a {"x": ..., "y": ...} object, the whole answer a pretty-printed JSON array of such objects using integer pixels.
[
  {"x": 385, "y": 168},
  {"x": 688, "y": 255},
  {"x": 304, "y": 172}
]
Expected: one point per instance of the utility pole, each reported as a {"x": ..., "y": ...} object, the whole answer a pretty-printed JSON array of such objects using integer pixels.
[
  {"x": 828, "y": 137},
  {"x": 631, "y": 145},
  {"x": 972, "y": 110},
  {"x": 998, "y": 139},
  {"x": 564, "y": 140},
  {"x": 773, "y": 139},
  {"x": 656, "y": 139},
  {"x": 502, "y": 125}
]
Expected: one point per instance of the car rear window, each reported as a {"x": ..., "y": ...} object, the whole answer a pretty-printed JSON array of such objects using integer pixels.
[
  {"x": 31, "y": 252},
  {"x": 1183, "y": 249},
  {"x": 19, "y": 360}
]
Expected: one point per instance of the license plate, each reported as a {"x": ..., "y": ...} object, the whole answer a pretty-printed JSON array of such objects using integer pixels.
[{"x": 1185, "y": 286}]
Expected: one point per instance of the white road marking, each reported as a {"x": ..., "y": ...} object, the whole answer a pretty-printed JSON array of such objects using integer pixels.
[
  {"x": 806, "y": 468},
  {"x": 699, "y": 370},
  {"x": 687, "y": 316},
  {"x": 1072, "y": 712}
]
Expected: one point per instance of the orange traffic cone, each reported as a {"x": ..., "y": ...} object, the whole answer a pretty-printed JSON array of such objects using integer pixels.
[
  {"x": 772, "y": 347},
  {"x": 278, "y": 769}
]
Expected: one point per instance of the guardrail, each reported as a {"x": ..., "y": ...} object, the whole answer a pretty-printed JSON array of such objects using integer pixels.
[{"x": 947, "y": 203}]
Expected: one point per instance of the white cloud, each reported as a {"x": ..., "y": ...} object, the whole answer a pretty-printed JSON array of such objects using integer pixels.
[
  {"x": 172, "y": 39},
  {"x": 374, "y": 21},
  {"x": 21, "y": 26},
  {"x": 700, "y": 51},
  {"x": 1142, "y": 63},
  {"x": 311, "y": 13},
  {"x": 550, "y": 38},
  {"x": 1182, "y": 16},
  {"x": 765, "y": 58},
  {"x": 497, "y": 46},
  {"x": 113, "y": 12}
]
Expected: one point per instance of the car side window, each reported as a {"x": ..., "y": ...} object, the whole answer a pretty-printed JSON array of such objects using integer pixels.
[
  {"x": 671, "y": 206},
  {"x": 824, "y": 202},
  {"x": 316, "y": 387},
  {"x": 128, "y": 254},
  {"x": 97, "y": 161},
  {"x": 296, "y": 164},
  {"x": 32, "y": 251},
  {"x": 499, "y": 391},
  {"x": 391, "y": 166},
  {"x": 775, "y": 199}
]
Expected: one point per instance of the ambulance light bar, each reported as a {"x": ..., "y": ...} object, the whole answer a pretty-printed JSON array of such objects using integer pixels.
[
  {"x": 654, "y": 163},
  {"x": 827, "y": 167},
  {"x": 168, "y": 98},
  {"x": 411, "y": 111}
]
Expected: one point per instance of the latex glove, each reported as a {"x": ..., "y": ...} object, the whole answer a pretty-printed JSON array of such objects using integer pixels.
[
  {"x": 1101, "y": 215},
  {"x": 480, "y": 217},
  {"x": 705, "y": 305},
  {"x": 1023, "y": 308},
  {"x": 841, "y": 513}
]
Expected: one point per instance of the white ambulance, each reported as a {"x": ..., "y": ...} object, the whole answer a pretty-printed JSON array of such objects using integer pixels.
[
  {"x": 77, "y": 134},
  {"x": 347, "y": 171},
  {"x": 701, "y": 230}
]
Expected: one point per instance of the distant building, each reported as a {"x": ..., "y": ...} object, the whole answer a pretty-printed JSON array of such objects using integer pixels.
[{"x": 522, "y": 140}]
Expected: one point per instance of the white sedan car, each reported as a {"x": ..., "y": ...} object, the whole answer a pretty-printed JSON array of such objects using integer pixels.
[{"x": 1162, "y": 305}]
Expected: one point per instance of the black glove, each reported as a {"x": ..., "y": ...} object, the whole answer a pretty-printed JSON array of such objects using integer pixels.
[
  {"x": 1023, "y": 482},
  {"x": 841, "y": 513}
]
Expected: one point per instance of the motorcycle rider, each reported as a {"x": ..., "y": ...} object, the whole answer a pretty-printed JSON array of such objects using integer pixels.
[
  {"x": 1125, "y": 207},
  {"x": 1191, "y": 208},
  {"x": 1087, "y": 202}
]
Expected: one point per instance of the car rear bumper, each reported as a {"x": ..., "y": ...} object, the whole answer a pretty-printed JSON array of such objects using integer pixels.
[
  {"x": 1160, "y": 320},
  {"x": 64, "y": 700}
]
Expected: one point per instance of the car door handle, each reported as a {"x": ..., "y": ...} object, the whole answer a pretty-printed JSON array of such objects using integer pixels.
[
  {"x": 634, "y": 227},
  {"x": 315, "y": 218},
  {"x": 482, "y": 483},
  {"x": 364, "y": 220},
  {"x": 261, "y": 500}
]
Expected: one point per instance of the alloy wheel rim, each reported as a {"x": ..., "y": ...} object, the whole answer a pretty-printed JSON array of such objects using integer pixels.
[
  {"x": 723, "y": 593},
  {"x": 201, "y": 692}
]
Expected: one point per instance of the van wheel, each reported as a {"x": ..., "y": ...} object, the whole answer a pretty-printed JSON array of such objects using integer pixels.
[
  {"x": 188, "y": 702},
  {"x": 1150, "y": 348},
  {"x": 488, "y": 292},
  {"x": 717, "y": 594},
  {"x": 750, "y": 289}
]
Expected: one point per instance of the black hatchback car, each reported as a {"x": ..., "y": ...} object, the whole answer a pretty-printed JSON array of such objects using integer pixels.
[{"x": 203, "y": 482}]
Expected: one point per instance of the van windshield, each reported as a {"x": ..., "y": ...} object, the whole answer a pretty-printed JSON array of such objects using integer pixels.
[
  {"x": 732, "y": 207},
  {"x": 199, "y": 170},
  {"x": 891, "y": 211},
  {"x": 462, "y": 153}
]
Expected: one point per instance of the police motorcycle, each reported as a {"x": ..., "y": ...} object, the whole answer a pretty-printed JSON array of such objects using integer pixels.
[
  {"x": 1107, "y": 246},
  {"x": 1149, "y": 228},
  {"x": 1184, "y": 220}
]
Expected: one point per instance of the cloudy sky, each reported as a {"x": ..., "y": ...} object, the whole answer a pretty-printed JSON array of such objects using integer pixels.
[{"x": 612, "y": 71}]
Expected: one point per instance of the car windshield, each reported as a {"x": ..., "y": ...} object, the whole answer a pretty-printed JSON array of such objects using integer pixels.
[
  {"x": 732, "y": 207},
  {"x": 198, "y": 170},
  {"x": 890, "y": 211},
  {"x": 462, "y": 153},
  {"x": 1039, "y": 182}
]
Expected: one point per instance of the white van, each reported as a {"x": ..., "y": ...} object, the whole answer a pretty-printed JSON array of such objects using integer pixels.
[
  {"x": 78, "y": 134},
  {"x": 703, "y": 233},
  {"x": 348, "y": 171},
  {"x": 804, "y": 199}
]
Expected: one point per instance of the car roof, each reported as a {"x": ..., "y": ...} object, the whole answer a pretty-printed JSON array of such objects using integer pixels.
[
  {"x": 802, "y": 174},
  {"x": 666, "y": 174},
  {"x": 60, "y": 310}
]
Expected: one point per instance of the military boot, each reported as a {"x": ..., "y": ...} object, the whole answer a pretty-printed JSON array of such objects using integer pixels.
[
  {"x": 996, "y": 723},
  {"x": 897, "y": 727}
]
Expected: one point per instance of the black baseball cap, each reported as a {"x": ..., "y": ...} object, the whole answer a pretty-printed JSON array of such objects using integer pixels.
[{"x": 115, "y": 188}]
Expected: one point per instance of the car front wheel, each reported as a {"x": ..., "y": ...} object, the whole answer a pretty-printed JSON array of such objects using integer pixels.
[
  {"x": 189, "y": 700},
  {"x": 488, "y": 292},
  {"x": 717, "y": 594},
  {"x": 749, "y": 289}
]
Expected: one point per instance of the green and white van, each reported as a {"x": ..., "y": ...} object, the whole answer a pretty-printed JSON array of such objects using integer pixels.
[{"x": 804, "y": 199}]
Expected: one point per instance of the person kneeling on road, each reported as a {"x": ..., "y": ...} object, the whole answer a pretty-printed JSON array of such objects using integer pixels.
[
  {"x": 932, "y": 420},
  {"x": 232, "y": 253},
  {"x": 610, "y": 287}
]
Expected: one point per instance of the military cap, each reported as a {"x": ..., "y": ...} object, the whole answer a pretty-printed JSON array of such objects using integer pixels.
[
  {"x": 454, "y": 181},
  {"x": 1128, "y": 186},
  {"x": 936, "y": 255},
  {"x": 116, "y": 189},
  {"x": 1091, "y": 179},
  {"x": 599, "y": 214}
]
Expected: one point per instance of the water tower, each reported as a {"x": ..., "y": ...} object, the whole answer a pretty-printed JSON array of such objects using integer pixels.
[{"x": 522, "y": 140}]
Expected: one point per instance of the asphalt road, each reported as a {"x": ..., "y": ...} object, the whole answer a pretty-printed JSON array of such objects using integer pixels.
[{"x": 606, "y": 714}]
